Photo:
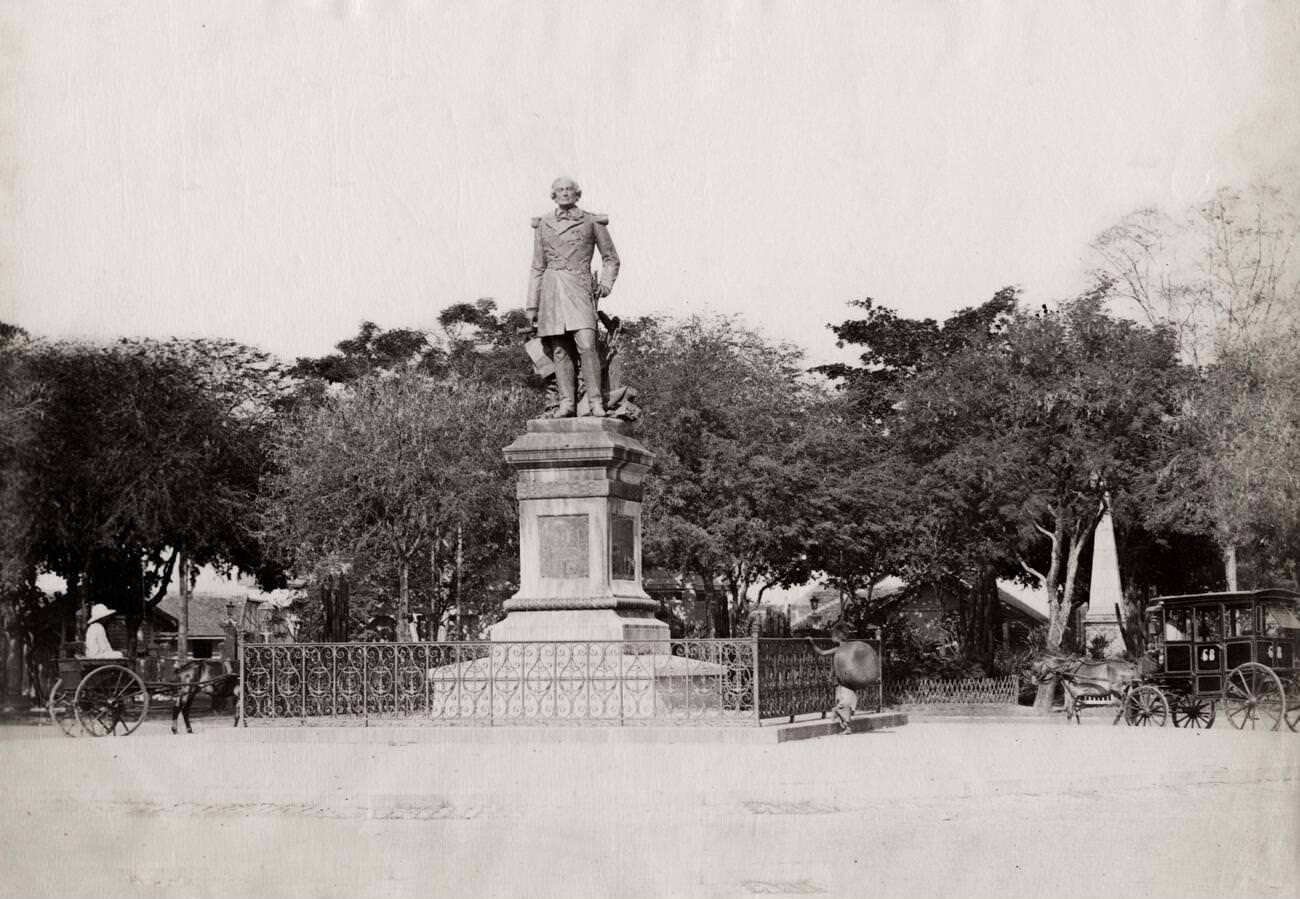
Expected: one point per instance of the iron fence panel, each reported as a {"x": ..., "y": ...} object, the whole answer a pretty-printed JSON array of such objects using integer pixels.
[
  {"x": 793, "y": 679},
  {"x": 560, "y": 682}
]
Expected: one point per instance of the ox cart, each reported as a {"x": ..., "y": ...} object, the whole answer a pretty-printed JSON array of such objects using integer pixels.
[
  {"x": 1237, "y": 650},
  {"x": 111, "y": 697}
]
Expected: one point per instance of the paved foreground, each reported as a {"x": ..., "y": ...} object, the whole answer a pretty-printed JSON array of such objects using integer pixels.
[{"x": 933, "y": 809}]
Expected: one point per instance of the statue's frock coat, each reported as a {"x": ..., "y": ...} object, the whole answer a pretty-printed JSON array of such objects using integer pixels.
[{"x": 560, "y": 285}]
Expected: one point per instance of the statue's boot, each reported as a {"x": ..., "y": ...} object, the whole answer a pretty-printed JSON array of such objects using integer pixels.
[
  {"x": 590, "y": 357},
  {"x": 565, "y": 384}
]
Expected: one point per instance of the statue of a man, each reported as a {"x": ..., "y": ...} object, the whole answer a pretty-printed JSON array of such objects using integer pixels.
[{"x": 563, "y": 293}]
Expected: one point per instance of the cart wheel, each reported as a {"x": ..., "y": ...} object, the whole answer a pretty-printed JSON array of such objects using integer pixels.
[
  {"x": 111, "y": 700},
  {"x": 1253, "y": 697},
  {"x": 1146, "y": 706},
  {"x": 61, "y": 710},
  {"x": 1293, "y": 705},
  {"x": 1192, "y": 711}
]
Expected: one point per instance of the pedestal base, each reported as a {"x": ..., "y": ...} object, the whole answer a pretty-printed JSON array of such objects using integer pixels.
[
  {"x": 580, "y": 491},
  {"x": 1104, "y": 627},
  {"x": 579, "y": 624}
]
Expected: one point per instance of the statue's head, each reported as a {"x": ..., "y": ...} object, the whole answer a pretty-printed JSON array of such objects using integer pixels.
[{"x": 565, "y": 191}]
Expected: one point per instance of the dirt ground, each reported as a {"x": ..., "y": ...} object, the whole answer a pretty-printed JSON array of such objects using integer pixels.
[{"x": 966, "y": 809}]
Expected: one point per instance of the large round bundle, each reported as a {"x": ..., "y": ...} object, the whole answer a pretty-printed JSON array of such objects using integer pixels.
[{"x": 857, "y": 665}]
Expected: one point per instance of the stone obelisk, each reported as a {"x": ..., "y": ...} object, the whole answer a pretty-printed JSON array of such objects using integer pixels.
[
  {"x": 579, "y": 489},
  {"x": 1104, "y": 592}
]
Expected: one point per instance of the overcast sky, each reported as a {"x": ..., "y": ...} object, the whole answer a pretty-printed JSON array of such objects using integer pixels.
[{"x": 278, "y": 171}]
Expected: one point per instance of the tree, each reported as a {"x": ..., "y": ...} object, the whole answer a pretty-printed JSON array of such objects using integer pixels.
[
  {"x": 925, "y": 518},
  {"x": 723, "y": 407},
  {"x": 383, "y": 477},
  {"x": 20, "y": 410},
  {"x": 966, "y": 494},
  {"x": 1221, "y": 273},
  {"x": 1228, "y": 466},
  {"x": 858, "y": 527},
  {"x": 476, "y": 343},
  {"x": 486, "y": 346},
  {"x": 1225, "y": 277},
  {"x": 1090, "y": 399},
  {"x": 372, "y": 351},
  {"x": 1025, "y": 437},
  {"x": 1010, "y": 429},
  {"x": 897, "y": 349},
  {"x": 144, "y": 450}
]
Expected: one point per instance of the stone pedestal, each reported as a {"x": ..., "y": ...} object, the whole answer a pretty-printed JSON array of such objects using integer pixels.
[{"x": 579, "y": 490}]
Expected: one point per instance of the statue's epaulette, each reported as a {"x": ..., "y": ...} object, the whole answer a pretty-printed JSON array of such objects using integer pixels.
[
  {"x": 599, "y": 218},
  {"x": 537, "y": 220}
]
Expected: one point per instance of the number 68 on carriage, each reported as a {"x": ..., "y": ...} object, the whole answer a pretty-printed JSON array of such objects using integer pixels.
[{"x": 1238, "y": 650}]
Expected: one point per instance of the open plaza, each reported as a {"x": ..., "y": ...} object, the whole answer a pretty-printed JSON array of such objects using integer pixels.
[
  {"x": 881, "y": 482},
  {"x": 996, "y": 807}
]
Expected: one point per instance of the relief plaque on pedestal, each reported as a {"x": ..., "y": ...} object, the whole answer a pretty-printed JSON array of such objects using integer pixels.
[
  {"x": 622, "y": 547},
  {"x": 563, "y": 545}
]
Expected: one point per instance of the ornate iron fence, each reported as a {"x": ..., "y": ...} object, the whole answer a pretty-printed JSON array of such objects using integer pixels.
[
  {"x": 794, "y": 679},
  {"x": 608, "y": 682},
  {"x": 966, "y": 691},
  {"x": 731, "y": 682}
]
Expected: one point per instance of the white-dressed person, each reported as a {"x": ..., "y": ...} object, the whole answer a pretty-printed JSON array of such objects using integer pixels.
[{"x": 97, "y": 645}]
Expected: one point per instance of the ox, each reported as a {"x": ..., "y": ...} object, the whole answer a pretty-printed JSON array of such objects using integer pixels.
[{"x": 1100, "y": 678}]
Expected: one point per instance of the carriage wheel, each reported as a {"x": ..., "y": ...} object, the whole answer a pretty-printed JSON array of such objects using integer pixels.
[
  {"x": 1253, "y": 696},
  {"x": 1146, "y": 706},
  {"x": 111, "y": 700},
  {"x": 1293, "y": 704},
  {"x": 1193, "y": 711},
  {"x": 61, "y": 710}
]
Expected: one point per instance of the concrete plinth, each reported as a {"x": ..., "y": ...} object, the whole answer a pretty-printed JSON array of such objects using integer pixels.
[
  {"x": 580, "y": 624},
  {"x": 1107, "y": 627},
  {"x": 422, "y": 733},
  {"x": 579, "y": 490}
]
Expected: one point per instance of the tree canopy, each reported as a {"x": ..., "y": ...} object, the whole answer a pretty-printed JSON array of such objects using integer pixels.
[
  {"x": 723, "y": 408},
  {"x": 138, "y": 451},
  {"x": 381, "y": 479},
  {"x": 1014, "y": 427}
]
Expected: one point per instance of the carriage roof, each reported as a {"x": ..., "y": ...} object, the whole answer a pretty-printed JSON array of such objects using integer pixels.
[{"x": 1272, "y": 595}]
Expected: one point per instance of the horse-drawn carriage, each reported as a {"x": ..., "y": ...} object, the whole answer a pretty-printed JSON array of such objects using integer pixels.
[
  {"x": 112, "y": 697},
  {"x": 1203, "y": 650},
  {"x": 1234, "y": 649}
]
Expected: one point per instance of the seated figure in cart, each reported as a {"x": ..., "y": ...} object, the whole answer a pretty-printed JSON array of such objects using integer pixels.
[{"x": 97, "y": 642}]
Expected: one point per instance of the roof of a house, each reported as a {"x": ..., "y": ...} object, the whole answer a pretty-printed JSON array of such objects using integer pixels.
[
  {"x": 207, "y": 612},
  {"x": 1020, "y": 605},
  {"x": 824, "y": 604},
  {"x": 828, "y": 601}
]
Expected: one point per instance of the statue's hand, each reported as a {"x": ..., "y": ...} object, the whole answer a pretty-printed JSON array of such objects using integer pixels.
[{"x": 602, "y": 291}]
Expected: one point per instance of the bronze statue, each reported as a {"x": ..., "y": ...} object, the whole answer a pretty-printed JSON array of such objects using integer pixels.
[
  {"x": 620, "y": 398},
  {"x": 563, "y": 294}
]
